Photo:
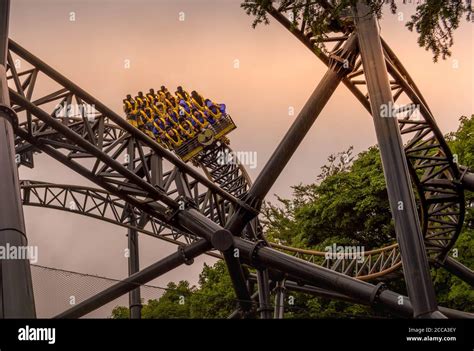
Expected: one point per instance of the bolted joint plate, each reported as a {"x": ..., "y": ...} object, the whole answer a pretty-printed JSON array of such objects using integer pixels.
[
  {"x": 222, "y": 240},
  {"x": 8, "y": 113}
]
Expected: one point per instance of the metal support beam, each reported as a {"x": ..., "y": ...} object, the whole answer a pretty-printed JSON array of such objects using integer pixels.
[
  {"x": 237, "y": 314},
  {"x": 134, "y": 299},
  {"x": 221, "y": 239},
  {"x": 401, "y": 198},
  {"x": 117, "y": 119},
  {"x": 282, "y": 155},
  {"x": 468, "y": 180},
  {"x": 295, "y": 134},
  {"x": 405, "y": 311},
  {"x": 332, "y": 281},
  {"x": 303, "y": 270},
  {"x": 264, "y": 294},
  {"x": 459, "y": 270},
  {"x": 279, "y": 300},
  {"x": 183, "y": 255},
  {"x": 16, "y": 289}
]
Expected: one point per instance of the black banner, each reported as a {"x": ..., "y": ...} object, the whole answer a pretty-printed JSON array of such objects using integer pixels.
[{"x": 164, "y": 334}]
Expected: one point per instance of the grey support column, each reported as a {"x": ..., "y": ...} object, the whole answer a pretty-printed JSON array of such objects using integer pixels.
[
  {"x": 264, "y": 294},
  {"x": 279, "y": 300},
  {"x": 134, "y": 298},
  {"x": 341, "y": 64},
  {"x": 16, "y": 289},
  {"x": 402, "y": 202}
]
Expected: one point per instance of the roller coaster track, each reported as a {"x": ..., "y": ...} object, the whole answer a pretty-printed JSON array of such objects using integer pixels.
[
  {"x": 435, "y": 175},
  {"x": 441, "y": 196},
  {"x": 158, "y": 181},
  {"x": 99, "y": 204},
  {"x": 94, "y": 133}
]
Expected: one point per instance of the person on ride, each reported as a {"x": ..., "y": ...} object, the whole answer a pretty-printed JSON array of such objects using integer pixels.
[
  {"x": 161, "y": 95},
  {"x": 171, "y": 102},
  {"x": 163, "y": 140},
  {"x": 221, "y": 107},
  {"x": 143, "y": 119},
  {"x": 131, "y": 112},
  {"x": 185, "y": 137},
  {"x": 159, "y": 109},
  {"x": 211, "y": 119},
  {"x": 130, "y": 100},
  {"x": 172, "y": 115},
  {"x": 197, "y": 100},
  {"x": 174, "y": 138},
  {"x": 160, "y": 122},
  {"x": 157, "y": 130},
  {"x": 193, "y": 124},
  {"x": 148, "y": 129},
  {"x": 169, "y": 123},
  {"x": 127, "y": 106},
  {"x": 213, "y": 111},
  {"x": 182, "y": 94},
  {"x": 187, "y": 129},
  {"x": 199, "y": 118},
  {"x": 164, "y": 90},
  {"x": 149, "y": 113},
  {"x": 142, "y": 100},
  {"x": 185, "y": 105},
  {"x": 151, "y": 96}
]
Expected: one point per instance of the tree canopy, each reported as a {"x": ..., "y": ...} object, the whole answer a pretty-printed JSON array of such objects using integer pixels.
[{"x": 434, "y": 20}]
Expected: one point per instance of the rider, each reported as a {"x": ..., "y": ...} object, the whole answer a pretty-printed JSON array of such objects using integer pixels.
[
  {"x": 211, "y": 119},
  {"x": 182, "y": 94},
  {"x": 197, "y": 100},
  {"x": 163, "y": 140},
  {"x": 220, "y": 107},
  {"x": 199, "y": 118},
  {"x": 172, "y": 115},
  {"x": 187, "y": 129},
  {"x": 171, "y": 101},
  {"x": 174, "y": 138},
  {"x": 142, "y": 100},
  {"x": 151, "y": 97},
  {"x": 131, "y": 110},
  {"x": 213, "y": 111},
  {"x": 159, "y": 108},
  {"x": 160, "y": 123}
]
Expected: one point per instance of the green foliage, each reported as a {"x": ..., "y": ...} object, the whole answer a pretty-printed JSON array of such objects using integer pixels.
[
  {"x": 215, "y": 297},
  {"x": 451, "y": 291},
  {"x": 172, "y": 304},
  {"x": 461, "y": 142},
  {"x": 349, "y": 206},
  {"x": 434, "y": 20},
  {"x": 120, "y": 312}
]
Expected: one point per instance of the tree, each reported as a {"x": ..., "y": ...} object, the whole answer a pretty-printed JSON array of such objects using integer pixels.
[
  {"x": 349, "y": 206},
  {"x": 174, "y": 303},
  {"x": 434, "y": 20},
  {"x": 215, "y": 297},
  {"x": 452, "y": 291}
]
